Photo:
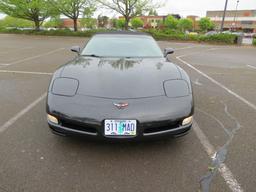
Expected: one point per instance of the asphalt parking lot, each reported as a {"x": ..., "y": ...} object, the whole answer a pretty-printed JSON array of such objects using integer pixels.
[{"x": 217, "y": 155}]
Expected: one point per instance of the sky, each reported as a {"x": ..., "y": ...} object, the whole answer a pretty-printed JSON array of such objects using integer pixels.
[
  {"x": 196, "y": 7},
  {"x": 191, "y": 7},
  {"x": 199, "y": 7}
]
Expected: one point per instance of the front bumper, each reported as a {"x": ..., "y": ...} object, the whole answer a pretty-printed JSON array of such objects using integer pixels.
[{"x": 98, "y": 132}]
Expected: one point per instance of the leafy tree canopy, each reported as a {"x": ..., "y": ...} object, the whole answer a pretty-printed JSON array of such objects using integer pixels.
[
  {"x": 185, "y": 24},
  {"x": 33, "y": 10},
  {"x": 15, "y": 22},
  {"x": 206, "y": 24},
  {"x": 171, "y": 22},
  {"x": 120, "y": 23},
  {"x": 54, "y": 22},
  {"x": 137, "y": 22},
  {"x": 73, "y": 8},
  {"x": 129, "y": 8}
]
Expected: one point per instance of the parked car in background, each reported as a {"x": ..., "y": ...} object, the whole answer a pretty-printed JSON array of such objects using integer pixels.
[{"x": 211, "y": 33}]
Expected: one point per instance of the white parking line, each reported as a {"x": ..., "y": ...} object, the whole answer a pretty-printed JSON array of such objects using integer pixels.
[
  {"x": 188, "y": 47},
  {"x": 253, "y": 106},
  {"x": 11, "y": 121},
  {"x": 223, "y": 169},
  {"x": 250, "y": 66},
  {"x": 37, "y": 56},
  {"x": 25, "y": 72}
]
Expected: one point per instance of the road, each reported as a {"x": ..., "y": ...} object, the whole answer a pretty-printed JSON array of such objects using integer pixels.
[{"x": 217, "y": 155}]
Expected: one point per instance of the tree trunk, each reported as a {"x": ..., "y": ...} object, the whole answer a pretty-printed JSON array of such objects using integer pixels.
[
  {"x": 37, "y": 25},
  {"x": 75, "y": 24},
  {"x": 127, "y": 20}
]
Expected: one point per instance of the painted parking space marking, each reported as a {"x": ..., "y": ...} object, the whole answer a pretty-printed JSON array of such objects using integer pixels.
[
  {"x": 251, "y": 105},
  {"x": 252, "y": 67},
  {"x": 188, "y": 47},
  {"x": 36, "y": 56},
  {"x": 223, "y": 169},
  {"x": 25, "y": 72},
  {"x": 4, "y": 64},
  {"x": 16, "y": 117}
]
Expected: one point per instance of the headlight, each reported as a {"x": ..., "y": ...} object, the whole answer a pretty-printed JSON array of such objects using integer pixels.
[
  {"x": 65, "y": 86},
  {"x": 52, "y": 119},
  {"x": 176, "y": 88},
  {"x": 187, "y": 120}
]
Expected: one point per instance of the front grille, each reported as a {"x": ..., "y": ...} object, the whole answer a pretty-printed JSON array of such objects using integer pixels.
[
  {"x": 160, "y": 128},
  {"x": 77, "y": 126}
]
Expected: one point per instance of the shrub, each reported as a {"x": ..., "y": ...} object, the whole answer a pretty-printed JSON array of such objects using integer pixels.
[
  {"x": 120, "y": 23},
  {"x": 171, "y": 22},
  {"x": 166, "y": 34},
  {"x": 174, "y": 35},
  {"x": 206, "y": 24},
  {"x": 136, "y": 23},
  {"x": 219, "y": 38},
  {"x": 60, "y": 32},
  {"x": 254, "y": 41},
  {"x": 185, "y": 24}
]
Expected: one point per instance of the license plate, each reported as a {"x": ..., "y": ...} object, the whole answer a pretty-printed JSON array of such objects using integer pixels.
[{"x": 120, "y": 127}]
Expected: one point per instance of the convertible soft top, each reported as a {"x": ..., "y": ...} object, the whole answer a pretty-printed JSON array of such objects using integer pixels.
[{"x": 122, "y": 33}]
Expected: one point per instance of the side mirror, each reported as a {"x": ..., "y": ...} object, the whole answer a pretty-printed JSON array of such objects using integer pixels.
[
  {"x": 168, "y": 51},
  {"x": 75, "y": 49}
]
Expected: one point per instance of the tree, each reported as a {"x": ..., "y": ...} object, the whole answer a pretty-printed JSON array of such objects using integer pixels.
[
  {"x": 55, "y": 22},
  {"x": 152, "y": 12},
  {"x": 102, "y": 21},
  {"x": 185, "y": 24},
  {"x": 137, "y": 22},
  {"x": 72, "y": 8},
  {"x": 114, "y": 22},
  {"x": 171, "y": 22},
  {"x": 206, "y": 24},
  {"x": 33, "y": 10},
  {"x": 15, "y": 22},
  {"x": 129, "y": 8},
  {"x": 120, "y": 23},
  {"x": 88, "y": 22}
]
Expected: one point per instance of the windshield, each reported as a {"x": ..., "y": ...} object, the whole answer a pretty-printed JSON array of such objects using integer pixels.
[{"x": 122, "y": 46}]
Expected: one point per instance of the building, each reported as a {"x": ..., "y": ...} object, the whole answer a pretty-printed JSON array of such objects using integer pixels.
[
  {"x": 69, "y": 23},
  {"x": 154, "y": 21},
  {"x": 194, "y": 20},
  {"x": 240, "y": 20}
]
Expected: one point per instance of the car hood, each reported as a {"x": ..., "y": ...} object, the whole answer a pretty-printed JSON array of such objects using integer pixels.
[{"x": 120, "y": 78}]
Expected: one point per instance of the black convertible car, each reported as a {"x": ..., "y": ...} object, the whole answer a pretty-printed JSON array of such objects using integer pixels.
[{"x": 120, "y": 86}]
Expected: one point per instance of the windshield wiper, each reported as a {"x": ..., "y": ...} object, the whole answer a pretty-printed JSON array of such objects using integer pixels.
[{"x": 92, "y": 55}]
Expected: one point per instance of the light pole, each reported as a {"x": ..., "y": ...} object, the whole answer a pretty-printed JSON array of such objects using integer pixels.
[
  {"x": 224, "y": 14},
  {"x": 235, "y": 14}
]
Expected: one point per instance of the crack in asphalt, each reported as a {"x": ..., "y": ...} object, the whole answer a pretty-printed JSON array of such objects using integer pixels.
[
  {"x": 220, "y": 156},
  {"x": 3, "y": 189}
]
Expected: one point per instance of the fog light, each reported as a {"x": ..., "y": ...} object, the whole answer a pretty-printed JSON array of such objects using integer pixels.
[
  {"x": 52, "y": 119},
  {"x": 187, "y": 120}
]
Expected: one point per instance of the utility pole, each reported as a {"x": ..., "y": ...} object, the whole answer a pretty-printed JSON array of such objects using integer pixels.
[
  {"x": 224, "y": 14},
  {"x": 235, "y": 14}
]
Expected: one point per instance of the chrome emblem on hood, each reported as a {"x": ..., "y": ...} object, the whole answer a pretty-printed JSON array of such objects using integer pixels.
[{"x": 121, "y": 105}]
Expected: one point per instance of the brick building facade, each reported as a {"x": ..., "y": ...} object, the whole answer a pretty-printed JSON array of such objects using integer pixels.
[{"x": 242, "y": 20}]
